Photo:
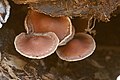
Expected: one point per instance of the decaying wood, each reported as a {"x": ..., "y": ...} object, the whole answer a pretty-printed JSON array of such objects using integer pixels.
[{"x": 100, "y": 9}]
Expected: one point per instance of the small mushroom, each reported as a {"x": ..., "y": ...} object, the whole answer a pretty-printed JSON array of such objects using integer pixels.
[
  {"x": 82, "y": 46},
  {"x": 4, "y": 11},
  {"x": 36, "y": 45},
  {"x": 39, "y": 23}
]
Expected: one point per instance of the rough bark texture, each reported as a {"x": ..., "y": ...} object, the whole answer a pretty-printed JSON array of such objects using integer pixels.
[{"x": 100, "y": 9}]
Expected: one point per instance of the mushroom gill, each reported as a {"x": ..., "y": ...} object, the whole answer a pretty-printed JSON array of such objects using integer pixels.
[
  {"x": 80, "y": 47},
  {"x": 36, "y": 45}
]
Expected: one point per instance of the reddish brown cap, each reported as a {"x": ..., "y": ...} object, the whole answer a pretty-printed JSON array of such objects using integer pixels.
[
  {"x": 36, "y": 45},
  {"x": 39, "y": 23},
  {"x": 82, "y": 46},
  {"x": 68, "y": 37}
]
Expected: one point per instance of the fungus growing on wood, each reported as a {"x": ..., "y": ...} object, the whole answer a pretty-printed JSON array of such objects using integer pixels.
[
  {"x": 82, "y": 46},
  {"x": 36, "y": 45},
  {"x": 39, "y": 23}
]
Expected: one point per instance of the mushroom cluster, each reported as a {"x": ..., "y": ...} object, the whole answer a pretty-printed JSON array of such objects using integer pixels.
[{"x": 45, "y": 35}]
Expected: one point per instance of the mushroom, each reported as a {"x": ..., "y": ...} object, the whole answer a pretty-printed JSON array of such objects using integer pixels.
[
  {"x": 68, "y": 38},
  {"x": 80, "y": 47},
  {"x": 36, "y": 22},
  {"x": 36, "y": 45}
]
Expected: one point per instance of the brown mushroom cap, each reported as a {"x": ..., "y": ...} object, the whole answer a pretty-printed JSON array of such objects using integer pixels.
[
  {"x": 82, "y": 46},
  {"x": 68, "y": 38},
  {"x": 39, "y": 23},
  {"x": 36, "y": 45}
]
